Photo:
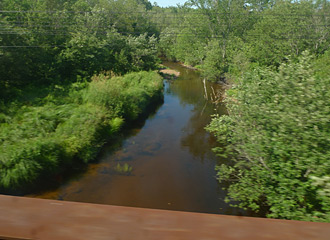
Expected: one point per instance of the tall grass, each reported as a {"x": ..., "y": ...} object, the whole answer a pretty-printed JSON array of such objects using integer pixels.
[
  {"x": 125, "y": 96},
  {"x": 39, "y": 141}
]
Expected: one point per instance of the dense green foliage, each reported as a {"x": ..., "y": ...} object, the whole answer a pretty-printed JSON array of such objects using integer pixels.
[
  {"x": 61, "y": 94},
  {"x": 222, "y": 38},
  {"x": 278, "y": 133},
  {"x": 275, "y": 57},
  {"x": 47, "y": 42},
  {"x": 43, "y": 139}
]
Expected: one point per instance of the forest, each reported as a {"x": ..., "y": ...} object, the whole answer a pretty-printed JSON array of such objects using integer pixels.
[
  {"x": 70, "y": 78},
  {"x": 73, "y": 72}
]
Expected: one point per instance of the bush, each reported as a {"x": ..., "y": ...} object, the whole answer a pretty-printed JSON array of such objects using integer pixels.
[
  {"x": 38, "y": 142},
  {"x": 125, "y": 96},
  {"x": 24, "y": 162},
  {"x": 278, "y": 133}
]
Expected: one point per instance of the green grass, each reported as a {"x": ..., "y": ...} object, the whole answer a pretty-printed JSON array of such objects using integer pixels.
[{"x": 40, "y": 139}]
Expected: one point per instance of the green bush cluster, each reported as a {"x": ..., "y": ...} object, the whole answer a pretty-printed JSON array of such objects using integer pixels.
[
  {"x": 41, "y": 140},
  {"x": 126, "y": 96},
  {"x": 277, "y": 133},
  {"x": 46, "y": 42},
  {"x": 228, "y": 36}
]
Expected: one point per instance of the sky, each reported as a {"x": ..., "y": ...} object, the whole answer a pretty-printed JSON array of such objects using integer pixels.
[{"x": 166, "y": 3}]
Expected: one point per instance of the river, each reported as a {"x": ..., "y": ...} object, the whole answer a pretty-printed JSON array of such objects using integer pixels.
[{"x": 169, "y": 153}]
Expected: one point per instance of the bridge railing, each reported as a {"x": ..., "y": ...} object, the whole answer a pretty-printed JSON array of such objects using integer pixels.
[{"x": 31, "y": 218}]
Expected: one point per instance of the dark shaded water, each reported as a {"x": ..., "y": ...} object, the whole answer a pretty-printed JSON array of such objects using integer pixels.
[{"x": 171, "y": 158}]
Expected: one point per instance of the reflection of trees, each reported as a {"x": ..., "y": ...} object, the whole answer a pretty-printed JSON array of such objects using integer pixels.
[
  {"x": 196, "y": 139},
  {"x": 190, "y": 90}
]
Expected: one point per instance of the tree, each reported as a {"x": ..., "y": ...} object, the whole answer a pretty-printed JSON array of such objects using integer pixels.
[
  {"x": 288, "y": 28},
  {"x": 50, "y": 42},
  {"x": 277, "y": 134}
]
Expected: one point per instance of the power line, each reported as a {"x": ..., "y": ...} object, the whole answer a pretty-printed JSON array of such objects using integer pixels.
[
  {"x": 103, "y": 45},
  {"x": 61, "y": 27},
  {"x": 165, "y": 13},
  {"x": 163, "y": 24},
  {"x": 50, "y": 32},
  {"x": 176, "y": 34},
  {"x": 28, "y": 29},
  {"x": 11, "y": 30},
  {"x": 36, "y": 46}
]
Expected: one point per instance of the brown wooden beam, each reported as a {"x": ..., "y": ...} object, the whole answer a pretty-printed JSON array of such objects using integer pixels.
[{"x": 31, "y": 218}]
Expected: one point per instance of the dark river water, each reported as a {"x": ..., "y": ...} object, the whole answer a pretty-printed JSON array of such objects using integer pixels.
[{"x": 170, "y": 156}]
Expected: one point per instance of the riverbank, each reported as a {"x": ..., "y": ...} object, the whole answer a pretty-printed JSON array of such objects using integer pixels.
[
  {"x": 172, "y": 73},
  {"x": 169, "y": 157},
  {"x": 169, "y": 74},
  {"x": 40, "y": 140}
]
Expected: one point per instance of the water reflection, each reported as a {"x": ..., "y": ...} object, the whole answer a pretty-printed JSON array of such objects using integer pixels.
[
  {"x": 172, "y": 165},
  {"x": 191, "y": 90}
]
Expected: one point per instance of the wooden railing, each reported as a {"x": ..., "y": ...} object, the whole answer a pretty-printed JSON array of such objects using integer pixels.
[{"x": 31, "y": 218}]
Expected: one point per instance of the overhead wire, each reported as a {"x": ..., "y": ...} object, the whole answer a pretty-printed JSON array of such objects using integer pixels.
[
  {"x": 162, "y": 24},
  {"x": 11, "y": 27},
  {"x": 164, "y": 13}
]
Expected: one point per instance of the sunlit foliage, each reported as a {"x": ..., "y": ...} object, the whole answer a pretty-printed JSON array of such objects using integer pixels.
[
  {"x": 38, "y": 142},
  {"x": 278, "y": 133}
]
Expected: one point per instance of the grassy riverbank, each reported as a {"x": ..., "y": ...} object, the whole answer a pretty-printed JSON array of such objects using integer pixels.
[{"x": 40, "y": 138}]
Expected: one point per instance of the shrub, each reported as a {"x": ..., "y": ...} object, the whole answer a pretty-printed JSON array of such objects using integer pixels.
[
  {"x": 278, "y": 133},
  {"x": 24, "y": 162},
  {"x": 125, "y": 96},
  {"x": 39, "y": 141}
]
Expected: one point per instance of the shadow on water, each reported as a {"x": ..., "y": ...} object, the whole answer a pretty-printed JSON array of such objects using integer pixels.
[
  {"x": 79, "y": 169},
  {"x": 164, "y": 161}
]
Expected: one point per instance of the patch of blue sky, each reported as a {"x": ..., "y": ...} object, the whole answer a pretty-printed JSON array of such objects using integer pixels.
[{"x": 168, "y": 3}]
